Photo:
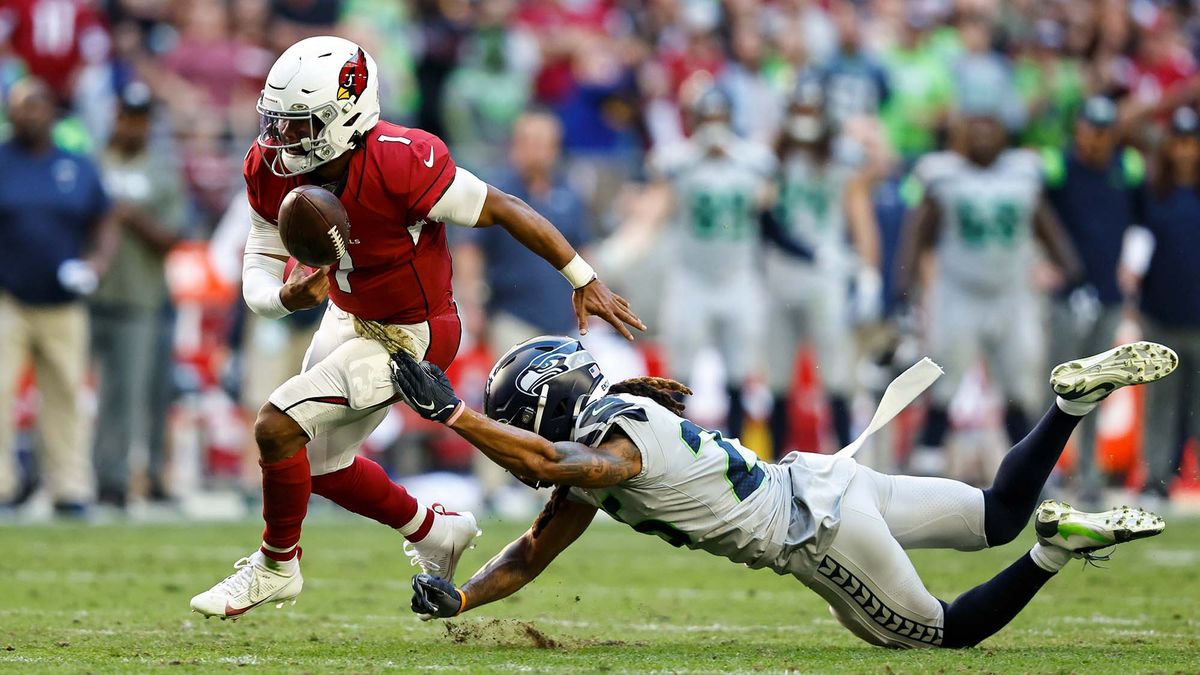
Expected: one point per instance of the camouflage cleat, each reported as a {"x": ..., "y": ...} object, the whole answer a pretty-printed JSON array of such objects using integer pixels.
[
  {"x": 1091, "y": 379},
  {"x": 1083, "y": 534}
]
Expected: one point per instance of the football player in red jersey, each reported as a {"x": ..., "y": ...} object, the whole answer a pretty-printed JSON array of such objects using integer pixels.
[{"x": 391, "y": 290}]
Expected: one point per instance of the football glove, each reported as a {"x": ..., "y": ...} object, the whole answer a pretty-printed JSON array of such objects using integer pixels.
[
  {"x": 424, "y": 387},
  {"x": 435, "y": 598}
]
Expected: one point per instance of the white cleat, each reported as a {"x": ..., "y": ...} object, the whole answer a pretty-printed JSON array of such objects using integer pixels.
[
  {"x": 258, "y": 580},
  {"x": 1084, "y": 533},
  {"x": 1091, "y": 379},
  {"x": 452, "y": 534}
]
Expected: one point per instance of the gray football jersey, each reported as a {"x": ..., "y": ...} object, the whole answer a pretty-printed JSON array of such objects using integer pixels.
[
  {"x": 716, "y": 231},
  {"x": 696, "y": 488},
  {"x": 809, "y": 204},
  {"x": 986, "y": 240}
]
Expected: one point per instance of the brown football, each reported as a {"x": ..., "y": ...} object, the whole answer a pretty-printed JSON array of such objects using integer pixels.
[{"x": 314, "y": 226}]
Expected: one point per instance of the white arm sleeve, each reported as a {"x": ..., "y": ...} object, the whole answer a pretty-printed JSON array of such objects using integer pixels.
[
  {"x": 264, "y": 237},
  {"x": 463, "y": 200},
  {"x": 1137, "y": 248},
  {"x": 262, "y": 277}
]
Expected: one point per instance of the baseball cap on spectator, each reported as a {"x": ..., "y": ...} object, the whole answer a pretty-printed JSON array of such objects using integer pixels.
[
  {"x": 1185, "y": 122},
  {"x": 136, "y": 98},
  {"x": 1099, "y": 111}
]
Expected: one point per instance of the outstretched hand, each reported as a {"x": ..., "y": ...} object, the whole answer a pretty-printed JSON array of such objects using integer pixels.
[
  {"x": 595, "y": 299},
  {"x": 424, "y": 387}
]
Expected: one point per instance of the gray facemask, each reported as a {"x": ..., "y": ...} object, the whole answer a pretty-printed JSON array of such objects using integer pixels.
[
  {"x": 713, "y": 135},
  {"x": 805, "y": 128}
]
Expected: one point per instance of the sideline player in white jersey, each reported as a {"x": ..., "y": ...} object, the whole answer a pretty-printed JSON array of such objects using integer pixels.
[
  {"x": 982, "y": 213},
  {"x": 717, "y": 183},
  {"x": 811, "y": 262},
  {"x": 840, "y": 528}
]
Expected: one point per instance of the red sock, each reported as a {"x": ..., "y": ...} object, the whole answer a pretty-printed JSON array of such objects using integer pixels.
[
  {"x": 286, "y": 487},
  {"x": 364, "y": 488}
]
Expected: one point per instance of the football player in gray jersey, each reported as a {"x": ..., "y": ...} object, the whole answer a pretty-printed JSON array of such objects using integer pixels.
[
  {"x": 812, "y": 256},
  {"x": 711, "y": 188},
  {"x": 840, "y": 528},
  {"x": 982, "y": 213}
]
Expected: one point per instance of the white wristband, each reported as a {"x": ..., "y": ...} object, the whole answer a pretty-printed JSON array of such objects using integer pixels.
[{"x": 578, "y": 273}]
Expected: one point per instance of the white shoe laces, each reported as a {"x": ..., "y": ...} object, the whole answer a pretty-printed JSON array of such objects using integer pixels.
[
  {"x": 415, "y": 558},
  {"x": 239, "y": 582}
]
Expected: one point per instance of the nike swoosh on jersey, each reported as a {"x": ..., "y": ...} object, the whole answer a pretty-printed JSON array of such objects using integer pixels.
[{"x": 429, "y": 162}]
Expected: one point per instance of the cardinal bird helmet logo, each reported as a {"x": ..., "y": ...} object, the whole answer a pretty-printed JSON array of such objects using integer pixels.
[{"x": 352, "y": 80}]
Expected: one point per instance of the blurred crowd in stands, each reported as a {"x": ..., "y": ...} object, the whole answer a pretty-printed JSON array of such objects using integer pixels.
[{"x": 128, "y": 121}]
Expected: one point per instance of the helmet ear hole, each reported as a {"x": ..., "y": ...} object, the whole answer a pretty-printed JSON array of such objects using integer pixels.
[{"x": 561, "y": 408}]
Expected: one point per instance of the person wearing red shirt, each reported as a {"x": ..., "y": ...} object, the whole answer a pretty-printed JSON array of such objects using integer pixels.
[
  {"x": 54, "y": 39},
  {"x": 390, "y": 292}
]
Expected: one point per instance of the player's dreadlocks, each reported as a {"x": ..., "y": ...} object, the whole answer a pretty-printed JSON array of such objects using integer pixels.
[
  {"x": 661, "y": 390},
  {"x": 557, "y": 498}
]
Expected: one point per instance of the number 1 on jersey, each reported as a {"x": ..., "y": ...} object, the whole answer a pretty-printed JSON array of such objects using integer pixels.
[{"x": 342, "y": 276}]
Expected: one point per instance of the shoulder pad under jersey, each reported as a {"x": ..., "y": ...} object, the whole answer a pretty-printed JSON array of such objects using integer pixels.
[{"x": 596, "y": 418}]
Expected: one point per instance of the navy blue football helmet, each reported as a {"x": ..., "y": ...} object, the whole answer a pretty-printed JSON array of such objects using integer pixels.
[{"x": 541, "y": 385}]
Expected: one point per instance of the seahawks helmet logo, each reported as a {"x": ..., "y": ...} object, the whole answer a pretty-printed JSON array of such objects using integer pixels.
[{"x": 550, "y": 365}]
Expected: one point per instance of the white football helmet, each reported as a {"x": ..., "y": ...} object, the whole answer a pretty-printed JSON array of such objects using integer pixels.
[{"x": 321, "y": 97}]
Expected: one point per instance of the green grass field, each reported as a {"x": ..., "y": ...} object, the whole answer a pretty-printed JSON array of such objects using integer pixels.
[{"x": 115, "y": 599}]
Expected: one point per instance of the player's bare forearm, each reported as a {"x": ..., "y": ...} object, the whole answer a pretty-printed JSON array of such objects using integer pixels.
[
  {"x": 860, "y": 216},
  {"x": 532, "y": 457},
  {"x": 1050, "y": 232},
  {"x": 524, "y": 559},
  {"x": 105, "y": 239},
  {"x": 591, "y": 297},
  {"x": 150, "y": 230},
  {"x": 526, "y": 226},
  {"x": 920, "y": 233}
]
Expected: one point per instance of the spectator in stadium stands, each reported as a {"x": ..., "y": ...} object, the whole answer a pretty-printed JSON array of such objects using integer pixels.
[
  {"x": 497, "y": 272},
  {"x": 917, "y": 110},
  {"x": 54, "y": 39},
  {"x": 855, "y": 83},
  {"x": 148, "y": 198},
  {"x": 500, "y": 274},
  {"x": 1170, "y": 299},
  {"x": 1052, "y": 86},
  {"x": 757, "y": 107},
  {"x": 1096, "y": 188},
  {"x": 57, "y": 237},
  {"x": 983, "y": 68},
  {"x": 486, "y": 93}
]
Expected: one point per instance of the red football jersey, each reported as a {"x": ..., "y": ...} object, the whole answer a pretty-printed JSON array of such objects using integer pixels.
[{"x": 397, "y": 264}]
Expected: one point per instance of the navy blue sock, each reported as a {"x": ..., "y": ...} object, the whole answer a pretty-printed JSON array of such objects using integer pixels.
[
  {"x": 1016, "y": 423},
  {"x": 985, "y": 609},
  {"x": 780, "y": 425},
  {"x": 736, "y": 415},
  {"x": 1017, "y": 488},
  {"x": 839, "y": 412},
  {"x": 937, "y": 423}
]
